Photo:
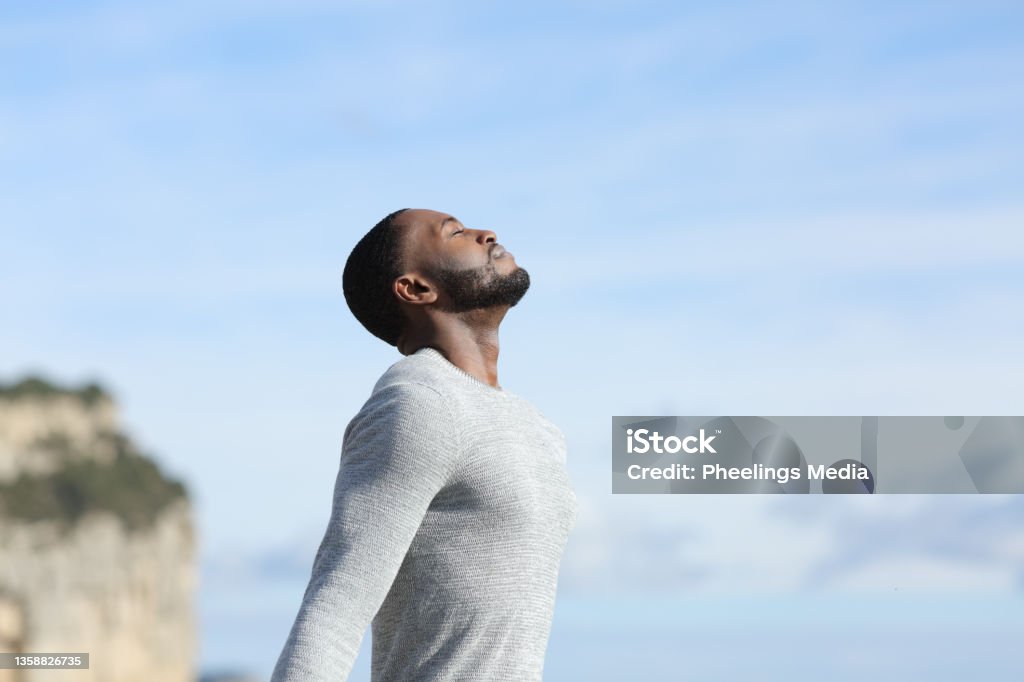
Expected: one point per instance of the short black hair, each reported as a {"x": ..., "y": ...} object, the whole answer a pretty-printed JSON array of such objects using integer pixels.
[{"x": 372, "y": 266}]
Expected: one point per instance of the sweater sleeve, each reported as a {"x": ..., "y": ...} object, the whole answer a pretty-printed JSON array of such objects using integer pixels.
[{"x": 397, "y": 453}]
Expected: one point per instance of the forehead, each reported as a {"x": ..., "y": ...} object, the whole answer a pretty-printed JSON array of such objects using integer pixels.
[
  {"x": 424, "y": 219},
  {"x": 421, "y": 229},
  {"x": 419, "y": 224}
]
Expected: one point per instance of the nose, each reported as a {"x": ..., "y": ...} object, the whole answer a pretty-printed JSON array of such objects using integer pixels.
[{"x": 486, "y": 237}]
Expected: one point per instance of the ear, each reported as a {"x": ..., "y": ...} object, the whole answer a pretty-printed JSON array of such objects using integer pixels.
[{"x": 413, "y": 288}]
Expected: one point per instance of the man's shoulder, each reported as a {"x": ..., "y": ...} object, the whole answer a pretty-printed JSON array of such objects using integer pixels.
[
  {"x": 413, "y": 374},
  {"x": 406, "y": 394}
]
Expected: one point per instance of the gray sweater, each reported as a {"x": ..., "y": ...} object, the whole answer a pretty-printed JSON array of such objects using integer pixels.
[{"x": 451, "y": 509}]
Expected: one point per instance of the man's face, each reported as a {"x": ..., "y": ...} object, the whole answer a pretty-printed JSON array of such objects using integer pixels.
[{"x": 473, "y": 270}]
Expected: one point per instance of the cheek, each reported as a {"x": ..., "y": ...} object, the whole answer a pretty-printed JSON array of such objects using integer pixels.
[{"x": 468, "y": 257}]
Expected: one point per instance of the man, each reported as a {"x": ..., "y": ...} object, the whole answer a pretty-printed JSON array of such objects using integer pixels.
[{"x": 452, "y": 505}]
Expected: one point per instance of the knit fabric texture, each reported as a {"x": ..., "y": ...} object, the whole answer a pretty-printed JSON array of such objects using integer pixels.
[{"x": 452, "y": 507}]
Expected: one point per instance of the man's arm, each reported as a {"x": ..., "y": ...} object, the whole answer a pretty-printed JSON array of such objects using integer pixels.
[{"x": 397, "y": 454}]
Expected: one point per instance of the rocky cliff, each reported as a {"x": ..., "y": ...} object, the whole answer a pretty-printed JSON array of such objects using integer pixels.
[{"x": 97, "y": 546}]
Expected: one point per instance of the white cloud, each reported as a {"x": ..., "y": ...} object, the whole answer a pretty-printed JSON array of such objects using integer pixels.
[
  {"x": 926, "y": 574},
  {"x": 736, "y": 543}
]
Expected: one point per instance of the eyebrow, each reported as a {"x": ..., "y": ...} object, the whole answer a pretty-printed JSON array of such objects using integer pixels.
[{"x": 447, "y": 220}]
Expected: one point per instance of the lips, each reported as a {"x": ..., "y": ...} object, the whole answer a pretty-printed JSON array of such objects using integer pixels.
[{"x": 497, "y": 251}]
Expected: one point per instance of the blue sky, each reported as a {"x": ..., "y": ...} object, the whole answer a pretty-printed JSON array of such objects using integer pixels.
[{"x": 725, "y": 208}]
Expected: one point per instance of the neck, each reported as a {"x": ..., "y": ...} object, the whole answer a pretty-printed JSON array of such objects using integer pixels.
[{"x": 470, "y": 342}]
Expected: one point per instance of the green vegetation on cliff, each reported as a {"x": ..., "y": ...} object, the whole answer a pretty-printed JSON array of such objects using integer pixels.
[
  {"x": 129, "y": 484},
  {"x": 36, "y": 387}
]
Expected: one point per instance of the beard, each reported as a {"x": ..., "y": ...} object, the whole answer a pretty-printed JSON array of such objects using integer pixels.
[{"x": 483, "y": 287}]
